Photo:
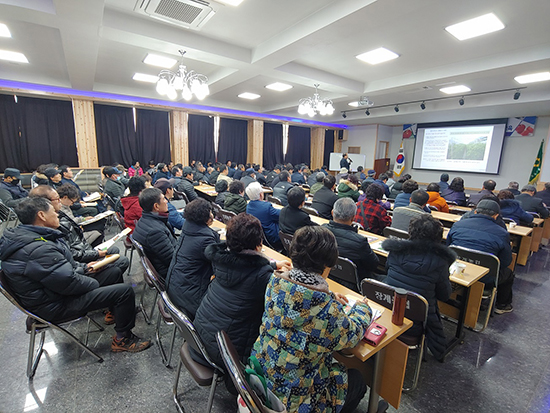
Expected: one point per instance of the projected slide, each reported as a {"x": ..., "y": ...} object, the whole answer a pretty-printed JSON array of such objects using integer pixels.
[{"x": 469, "y": 148}]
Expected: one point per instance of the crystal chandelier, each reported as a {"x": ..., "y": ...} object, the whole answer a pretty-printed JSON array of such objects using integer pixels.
[
  {"x": 188, "y": 82},
  {"x": 313, "y": 105}
]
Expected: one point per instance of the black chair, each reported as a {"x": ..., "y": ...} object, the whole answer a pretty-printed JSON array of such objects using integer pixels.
[
  {"x": 180, "y": 196},
  {"x": 286, "y": 240},
  {"x": 345, "y": 273},
  {"x": 217, "y": 211},
  {"x": 390, "y": 232},
  {"x": 310, "y": 211},
  {"x": 37, "y": 324},
  {"x": 487, "y": 260},
  {"x": 148, "y": 282},
  {"x": 226, "y": 216},
  {"x": 416, "y": 310},
  {"x": 358, "y": 226},
  {"x": 509, "y": 220},
  {"x": 432, "y": 208},
  {"x": 274, "y": 200},
  {"x": 203, "y": 375}
]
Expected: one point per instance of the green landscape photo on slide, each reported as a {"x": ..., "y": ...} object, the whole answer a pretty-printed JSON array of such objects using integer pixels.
[{"x": 460, "y": 148}]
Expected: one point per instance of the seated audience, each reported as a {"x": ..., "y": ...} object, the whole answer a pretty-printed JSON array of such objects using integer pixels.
[
  {"x": 403, "y": 199},
  {"x": 511, "y": 208},
  {"x": 11, "y": 191},
  {"x": 382, "y": 181},
  {"x": 272, "y": 175},
  {"x": 135, "y": 169},
  {"x": 498, "y": 219},
  {"x": 299, "y": 366},
  {"x": 351, "y": 245},
  {"x": 370, "y": 213},
  {"x": 390, "y": 182},
  {"x": 513, "y": 187},
  {"x": 421, "y": 264},
  {"x": 298, "y": 176},
  {"x": 154, "y": 232},
  {"x": 54, "y": 177},
  {"x": 324, "y": 198},
  {"x": 234, "y": 301},
  {"x": 186, "y": 184},
  {"x": 175, "y": 218},
  {"x": 78, "y": 210},
  {"x": 224, "y": 175},
  {"x": 341, "y": 175},
  {"x": 214, "y": 175},
  {"x": 402, "y": 215},
  {"x": 38, "y": 177},
  {"x": 248, "y": 177},
  {"x": 281, "y": 189},
  {"x": 152, "y": 169},
  {"x": 260, "y": 177},
  {"x": 162, "y": 172},
  {"x": 347, "y": 188},
  {"x": 371, "y": 173},
  {"x": 530, "y": 203},
  {"x": 200, "y": 174},
  {"x": 239, "y": 172},
  {"x": 221, "y": 189},
  {"x": 360, "y": 174},
  {"x": 481, "y": 232},
  {"x": 264, "y": 211},
  {"x": 231, "y": 169},
  {"x": 436, "y": 200},
  {"x": 45, "y": 280},
  {"x": 177, "y": 176},
  {"x": 544, "y": 194},
  {"x": 455, "y": 192},
  {"x": 397, "y": 188},
  {"x": 312, "y": 178},
  {"x": 488, "y": 188},
  {"x": 113, "y": 185},
  {"x": 443, "y": 182},
  {"x": 130, "y": 203},
  {"x": 293, "y": 217},
  {"x": 190, "y": 271},
  {"x": 319, "y": 176},
  {"x": 234, "y": 201}
]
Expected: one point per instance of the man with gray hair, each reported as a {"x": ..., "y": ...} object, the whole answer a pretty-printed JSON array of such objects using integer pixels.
[
  {"x": 403, "y": 215},
  {"x": 531, "y": 203},
  {"x": 513, "y": 187},
  {"x": 318, "y": 183},
  {"x": 351, "y": 244}
]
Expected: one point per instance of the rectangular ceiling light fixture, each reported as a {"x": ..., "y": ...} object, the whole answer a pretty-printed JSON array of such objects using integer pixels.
[
  {"x": 533, "y": 77},
  {"x": 451, "y": 90},
  {"x": 159, "y": 61},
  {"x": 279, "y": 87},
  {"x": 230, "y": 2},
  {"x": 377, "y": 56},
  {"x": 478, "y": 26},
  {"x": 247, "y": 95},
  {"x": 142, "y": 77},
  {"x": 13, "y": 56},
  {"x": 4, "y": 31}
]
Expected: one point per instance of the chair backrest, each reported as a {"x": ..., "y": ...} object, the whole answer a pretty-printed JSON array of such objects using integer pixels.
[
  {"x": 217, "y": 211},
  {"x": 452, "y": 203},
  {"x": 187, "y": 329},
  {"x": 119, "y": 220},
  {"x": 226, "y": 216},
  {"x": 137, "y": 245},
  {"x": 286, "y": 240},
  {"x": 310, "y": 211},
  {"x": 416, "y": 309},
  {"x": 508, "y": 220},
  {"x": 345, "y": 272},
  {"x": 390, "y": 232},
  {"x": 234, "y": 367},
  {"x": 535, "y": 214},
  {"x": 152, "y": 274},
  {"x": 483, "y": 259},
  {"x": 432, "y": 208},
  {"x": 306, "y": 186},
  {"x": 181, "y": 195},
  {"x": 111, "y": 201},
  {"x": 274, "y": 200}
]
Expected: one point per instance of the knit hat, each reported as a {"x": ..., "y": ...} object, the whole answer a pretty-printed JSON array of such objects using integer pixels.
[{"x": 344, "y": 170}]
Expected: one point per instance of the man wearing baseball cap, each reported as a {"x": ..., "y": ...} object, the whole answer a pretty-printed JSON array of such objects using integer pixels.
[
  {"x": 481, "y": 232},
  {"x": 113, "y": 186},
  {"x": 11, "y": 191}
]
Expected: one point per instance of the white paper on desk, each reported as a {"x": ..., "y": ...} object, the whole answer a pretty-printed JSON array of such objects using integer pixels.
[
  {"x": 98, "y": 217},
  {"x": 377, "y": 246},
  {"x": 94, "y": 196},
  {"x": 104, "y": 246}
]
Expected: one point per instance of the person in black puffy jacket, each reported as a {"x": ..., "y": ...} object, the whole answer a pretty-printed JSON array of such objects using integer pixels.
[
  {"x": 421, "y": 264},
  {"x": 154, "y": 232},
  {"x": 44, "y": 278},
  {"x": 293, "y": 217},
  {"x": 190, "y": 271},
  {"x": 234, "y": 301}
]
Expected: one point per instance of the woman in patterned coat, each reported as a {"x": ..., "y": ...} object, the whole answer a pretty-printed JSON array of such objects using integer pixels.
[{"x": 303, "y": 324}]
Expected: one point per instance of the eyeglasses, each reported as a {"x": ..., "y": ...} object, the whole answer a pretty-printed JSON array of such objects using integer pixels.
[{"x": 55, "y": 199}]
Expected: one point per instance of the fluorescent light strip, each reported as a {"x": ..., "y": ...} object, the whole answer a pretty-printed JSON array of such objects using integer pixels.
[
  {"x": 230, "y": 2},
  {"x": 455, "y": 89},
  {"x": 376, "y": 56},
  {"x": 159, "y": 61},
  {"x": 533, "y": 77},
  {"x": 4, "y": 31},
  {"x": 13, "y": 56},
  {"x": 248, "y": 95},
  {"x": 142, "y": 77},
  {"x": 354, "y": 104},
  {"x": 475, "y": 27},
  {"x": 279, "y": 87}
]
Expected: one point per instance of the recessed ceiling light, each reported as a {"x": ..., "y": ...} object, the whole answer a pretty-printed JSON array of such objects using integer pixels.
[
  {"x": 247, "y": 95},
  {"x": 533, "y": 77},
  {"x": 13, "y": 56},
  {"x": 159, "y": 61},
  {"x": 4, "y": 31},
  {"x": 478, "y": 26},
  {"x": 455, "y": 89},
  {"x": 279, "y": 87},
  {"x": 377, "y": 56},
  {"x": 230, "y": 2},
  {"x": 354, "y": 104},
  {"x": 142, "y": 77}
]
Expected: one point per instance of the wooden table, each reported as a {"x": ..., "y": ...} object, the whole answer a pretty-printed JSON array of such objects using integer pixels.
[{"x": 207, "y": 192}]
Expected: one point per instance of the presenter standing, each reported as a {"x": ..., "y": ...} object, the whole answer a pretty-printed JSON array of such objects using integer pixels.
[{"x": 345, "y": 162}]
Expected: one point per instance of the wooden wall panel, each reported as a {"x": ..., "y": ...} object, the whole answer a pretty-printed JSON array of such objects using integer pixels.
[
  {"x": 317, "y": 147},
  {"x": 86, "y": 143},
  {"x": 179, "y": 137},
  {"x": 255, "y": 153}
]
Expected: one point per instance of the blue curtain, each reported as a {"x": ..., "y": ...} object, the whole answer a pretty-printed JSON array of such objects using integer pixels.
[
  {"x": 233, "y": 143},
  {"x": 273, "y": 145},
  {"x": 153, "y": 136},
  {"x": 201, "y": 139},
  {"x": 299, "y": 145},
  {"x": 116, "y": 136},
  {"x": 329, "y": 146}
]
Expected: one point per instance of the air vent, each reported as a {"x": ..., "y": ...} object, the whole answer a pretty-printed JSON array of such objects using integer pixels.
[{"x": 191, "y": 14}]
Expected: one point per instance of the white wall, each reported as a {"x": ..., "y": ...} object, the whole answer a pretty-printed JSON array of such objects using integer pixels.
[{"x": 365, "y": 137}]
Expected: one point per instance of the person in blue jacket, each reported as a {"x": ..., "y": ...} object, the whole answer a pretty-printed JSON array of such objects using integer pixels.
[
  {"x": 175, "y": 218},
  {"x": 264, "y": 211},
  {"x": 510, "y": 208}
]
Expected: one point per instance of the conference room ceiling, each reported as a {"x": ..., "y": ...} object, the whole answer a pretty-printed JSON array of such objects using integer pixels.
[{"x": 98, "y": 46}]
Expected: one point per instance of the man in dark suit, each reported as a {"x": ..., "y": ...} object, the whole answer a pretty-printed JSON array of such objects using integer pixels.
[
  {"x": 545, "y": 194},
  {"x": 345, "y": 162},
  {"x": 488, "y": 188},
  {"x": 324, "y": 198},
  {"x": 530, "y": 203}
]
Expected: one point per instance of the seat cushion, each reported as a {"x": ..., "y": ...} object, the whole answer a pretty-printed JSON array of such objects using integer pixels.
[
  {"x": 409, "y": 340},
  {"x": 201, "y": 374}
]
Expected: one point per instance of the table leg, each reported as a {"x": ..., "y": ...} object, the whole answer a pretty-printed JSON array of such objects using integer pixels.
[
  {"x": 376, "y": 379},
  {"x": 459, "y": 335}
]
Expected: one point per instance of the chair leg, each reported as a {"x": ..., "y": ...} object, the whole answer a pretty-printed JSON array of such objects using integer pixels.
[
  {"x": 419, "y": 357},
  {"x": 79, "y": 343},
  {"x": 175, "y": 389},
  {"x": 490, "y": 310},
  {"x": 212, "y": 390},
  {"x": 33, "y": 360},
  {"x": 131, "y": 257},
  {"x": 174, "y": 330},
  {"x": 141, "y": 306},
  {"x": 159, "y": 342}
]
